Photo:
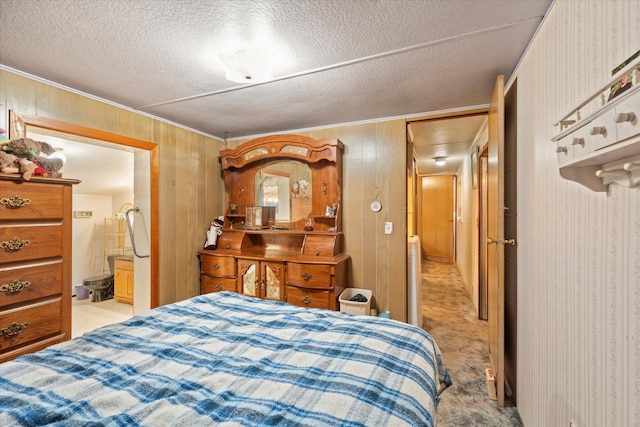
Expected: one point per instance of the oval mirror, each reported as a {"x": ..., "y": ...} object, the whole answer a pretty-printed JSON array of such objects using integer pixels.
[{"x": 287, "y": 186}]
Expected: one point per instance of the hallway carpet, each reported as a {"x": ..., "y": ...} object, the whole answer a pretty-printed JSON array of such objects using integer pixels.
[{"x": 449, "y": 316}]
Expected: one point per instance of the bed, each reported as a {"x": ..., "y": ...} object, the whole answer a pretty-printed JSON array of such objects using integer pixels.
[{"x": 226, "y": 359}]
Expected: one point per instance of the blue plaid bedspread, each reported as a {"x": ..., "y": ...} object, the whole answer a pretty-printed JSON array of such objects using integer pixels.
[{"x": 226, "y": 359}]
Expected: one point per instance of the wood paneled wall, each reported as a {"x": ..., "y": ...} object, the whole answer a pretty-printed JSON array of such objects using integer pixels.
[
  {"x": 374, "y": 167},
  {"x": 579, "y": 251},
  {"x": 190, "y": 192}
]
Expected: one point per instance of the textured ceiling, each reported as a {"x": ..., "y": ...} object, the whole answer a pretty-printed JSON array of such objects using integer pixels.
[{"x": 347, "y": 61}]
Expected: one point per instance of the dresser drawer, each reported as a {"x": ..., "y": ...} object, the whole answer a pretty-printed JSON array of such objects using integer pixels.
[
  {"x": 217, "y": 284},
  {"x": 310, "y": 298},
  {"x": 31, "y": 323},
  {"x": 26, "y": 200},
  {"x": 319, "y": 245},
  {"x": 218, "y": 265},
  {"x": 309, "y": 275},
  {"x": 30, "y": 242},
  {"x": 29, "y": 282}
]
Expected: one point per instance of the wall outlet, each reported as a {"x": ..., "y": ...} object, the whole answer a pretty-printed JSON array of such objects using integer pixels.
[{"x": 388, "y": 227}]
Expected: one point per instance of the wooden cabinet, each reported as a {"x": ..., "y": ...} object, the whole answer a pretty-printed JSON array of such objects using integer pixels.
[
  {"x": 35, "y": 263},
  {"x": 123, "y": 280},
  {"x": 281, "y": 258},
  {"x": 262, "y": 279}
]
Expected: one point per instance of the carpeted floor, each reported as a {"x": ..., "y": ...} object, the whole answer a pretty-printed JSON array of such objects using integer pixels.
[{"x": 449, "y": 316}]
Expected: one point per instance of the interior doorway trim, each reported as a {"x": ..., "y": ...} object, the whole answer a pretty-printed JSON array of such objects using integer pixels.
[{"x": 18, "y": 124}]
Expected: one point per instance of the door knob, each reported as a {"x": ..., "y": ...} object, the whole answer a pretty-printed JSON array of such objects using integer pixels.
[{"x": 511, "y": 242}]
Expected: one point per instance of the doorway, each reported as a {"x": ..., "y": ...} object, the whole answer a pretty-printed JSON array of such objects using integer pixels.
[
  {"x": 145, "y": 160},
  {"x": 437, "y": 214}
]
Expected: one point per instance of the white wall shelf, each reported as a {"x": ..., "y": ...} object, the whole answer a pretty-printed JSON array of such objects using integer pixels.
[{"x": 603, "y": 147}]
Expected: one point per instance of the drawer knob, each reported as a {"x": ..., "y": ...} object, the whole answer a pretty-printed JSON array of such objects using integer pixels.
[
  {"x": 216, "y": 266},
  {"x": 561, "y": 149},
  {"x": 15, "y": 201},
  {"x": 219, "y": 286},
  {"x": 14, "y": 244},
  {"x": 624, "y": 117},
  {"x": 307, "y": 299},
  {"x": 578, "y": 141},
  {"x": 306, "y": 276},
  {"x": 13, "y": 329},
  {"x": 14, "y": 286},
  {"x": 599, "y": 130}
]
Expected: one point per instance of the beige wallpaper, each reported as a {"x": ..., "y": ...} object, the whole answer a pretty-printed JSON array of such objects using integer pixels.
[{"x": 579, "y": 251}]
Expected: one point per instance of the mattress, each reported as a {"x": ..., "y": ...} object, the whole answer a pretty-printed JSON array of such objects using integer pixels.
[{"x": 227, "y": 359}]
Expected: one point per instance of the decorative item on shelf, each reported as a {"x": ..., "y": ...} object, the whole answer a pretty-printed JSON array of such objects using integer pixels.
[
  {"x": 308, "y": 224},
  {"x": 622, "y": 85},
  {"x": 214, "y": 231},
  {"x": 331, "y": 210},
  {"x": 233, "y": 208},
  {"x": 258, "y": 217}
]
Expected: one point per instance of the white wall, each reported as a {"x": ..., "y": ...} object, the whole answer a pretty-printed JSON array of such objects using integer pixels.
[
  {"x": 87, "y": 256},
  {"x": 467, "y": 223},
  {"x": 578, "y": 251}
]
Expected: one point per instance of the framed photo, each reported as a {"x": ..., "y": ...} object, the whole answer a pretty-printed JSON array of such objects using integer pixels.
[
  {"x": 621, "y": 85},
  {"x": 474, "y": 167}
]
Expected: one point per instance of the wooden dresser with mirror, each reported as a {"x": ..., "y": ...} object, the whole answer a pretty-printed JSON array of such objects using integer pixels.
[{"x": 282, "y": 236}]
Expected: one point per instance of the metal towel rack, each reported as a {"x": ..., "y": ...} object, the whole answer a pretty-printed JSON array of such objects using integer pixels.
[{"x": 133, "y": 243}]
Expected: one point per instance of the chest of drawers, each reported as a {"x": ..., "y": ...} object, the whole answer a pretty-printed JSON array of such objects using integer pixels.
[
  {"x": 300, "y": 268},
  {"x": 35, "y": 264}
]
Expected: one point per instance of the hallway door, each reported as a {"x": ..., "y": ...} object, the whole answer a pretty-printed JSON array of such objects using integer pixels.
[
  {"x": 437, "y": 212},
  {"x": 495, "y": 237}
]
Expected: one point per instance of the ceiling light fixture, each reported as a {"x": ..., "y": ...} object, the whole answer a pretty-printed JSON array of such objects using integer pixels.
[
  {"x": 440, "y": 161},
  {"x": 250, "y": 64}
]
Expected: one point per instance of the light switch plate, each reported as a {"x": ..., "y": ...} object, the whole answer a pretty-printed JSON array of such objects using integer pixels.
[{"x": 388, "y": 227}]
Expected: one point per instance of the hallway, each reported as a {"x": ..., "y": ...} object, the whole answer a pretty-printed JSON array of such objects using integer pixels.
[{"x": 449, "y": 316}]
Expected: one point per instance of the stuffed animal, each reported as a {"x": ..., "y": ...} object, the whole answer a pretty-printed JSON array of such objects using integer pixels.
[
  {"x": 27, "y": 148},
  {"x": 213, "y": 233},
  {"x": 27, "y": 168},
  {"x": 8, "y": 163},
  {"x": 51, "y": 166},
  {"x": 31, "y": 152}
]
